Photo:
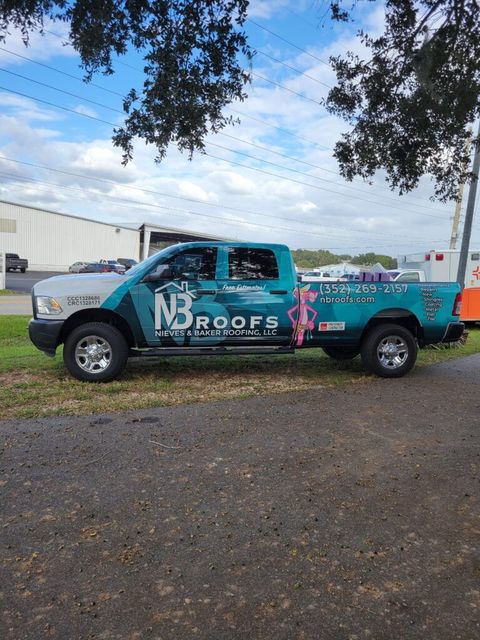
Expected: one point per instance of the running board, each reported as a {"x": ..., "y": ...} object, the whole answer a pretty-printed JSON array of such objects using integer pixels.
[{"x": 208, "y": 351}]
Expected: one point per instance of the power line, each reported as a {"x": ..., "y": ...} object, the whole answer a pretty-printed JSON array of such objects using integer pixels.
[
  {"x": 157, "y": 206},
  {"x": 288, "y": 66},
  {"x": 295, "y": 46},
  {"x": 57, "y": 106},
  {"x": 183, "y": 198},
  {"x": 93, "y": 84},
  {"x": 223, "y": 134},
  {"x": 129, "y": 202},
  {"x": 68, "y": 93},
  {"x": 309, "y": 164},
  {"x": 313, "y": 186},
  {"x": 218, "y": 158},
  {"x": 281, "y": 86},
  {"x": 64, "y": 73},
  {"x": 283, "y": 130}
]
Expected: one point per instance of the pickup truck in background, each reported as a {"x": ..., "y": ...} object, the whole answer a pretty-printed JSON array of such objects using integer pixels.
[
  {"x": 13, "y": 262},
  {"x": 407, "y": 275},
  {"x": 218, "y": 298}
]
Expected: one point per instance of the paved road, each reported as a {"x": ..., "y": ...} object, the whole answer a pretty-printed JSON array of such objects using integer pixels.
[
  {"x": 326, "y": 515},
  {"x": 15, "y": 305},
  {"x": 24, "y": 281}
]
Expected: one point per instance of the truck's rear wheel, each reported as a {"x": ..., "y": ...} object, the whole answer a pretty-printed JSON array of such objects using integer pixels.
[
  {"x": 341, "y": 353},
  {"x": 389, "y": 351},
  {"x": 95, "y": 352}
]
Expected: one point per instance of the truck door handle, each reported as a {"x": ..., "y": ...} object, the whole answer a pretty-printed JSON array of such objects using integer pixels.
[
  {"x": 205, "y": 292},
  {"x": 278, "y": 292}
]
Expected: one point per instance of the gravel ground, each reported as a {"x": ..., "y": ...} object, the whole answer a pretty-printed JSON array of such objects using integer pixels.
[{"x": 327, "y": 514}]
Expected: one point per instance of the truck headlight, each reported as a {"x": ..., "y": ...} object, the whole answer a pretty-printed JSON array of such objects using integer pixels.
[{"x": 47, "y": 305}]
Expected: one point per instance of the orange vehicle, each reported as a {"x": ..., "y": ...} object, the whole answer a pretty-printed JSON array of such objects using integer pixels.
[{"x": 470, "y": 310}]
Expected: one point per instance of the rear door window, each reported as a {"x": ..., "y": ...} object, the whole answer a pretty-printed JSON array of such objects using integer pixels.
[{"x": 248, "y": 263}]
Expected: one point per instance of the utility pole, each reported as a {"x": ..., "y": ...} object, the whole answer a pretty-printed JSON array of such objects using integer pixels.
[
  {"x": 456, "y": 217},
  {"x": 467, "y": 227},
  {"x": 458, "y": 206}
]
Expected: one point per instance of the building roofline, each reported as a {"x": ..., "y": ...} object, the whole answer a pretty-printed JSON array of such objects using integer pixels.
[
  {"x": 65, "y": 215},
  {"x": 129, "y": 226}
]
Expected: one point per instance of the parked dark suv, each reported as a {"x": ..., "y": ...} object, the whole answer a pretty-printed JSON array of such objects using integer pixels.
[{"x": 128, "y": 263}]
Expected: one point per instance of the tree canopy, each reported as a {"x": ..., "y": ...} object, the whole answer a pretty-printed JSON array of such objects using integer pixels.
[
  {"x": 311, "y": 258},
  {"x": 369, "y": 259},
  {"x": 191, "y": 51},
  {"x": 411, "y": 99}
]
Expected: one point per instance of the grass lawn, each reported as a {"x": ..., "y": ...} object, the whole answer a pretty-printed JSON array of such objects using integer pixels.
[
  {"x": 9, "y": 292},
  {"x": 33, "y": 385}
]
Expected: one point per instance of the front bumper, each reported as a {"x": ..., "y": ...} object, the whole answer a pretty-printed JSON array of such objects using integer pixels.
[
  {"x": 454, "y": 332},
  {"x": 45, "y": 334}
]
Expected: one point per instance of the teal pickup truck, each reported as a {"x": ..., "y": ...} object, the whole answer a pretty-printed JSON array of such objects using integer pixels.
[{"x": 234, "y": 298}]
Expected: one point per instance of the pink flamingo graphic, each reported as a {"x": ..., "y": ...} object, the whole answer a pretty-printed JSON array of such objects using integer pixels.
[{"x": 302, "y": 324}]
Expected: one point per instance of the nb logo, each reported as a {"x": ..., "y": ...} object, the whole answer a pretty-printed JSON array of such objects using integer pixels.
[{"x": 173, "y": 304}]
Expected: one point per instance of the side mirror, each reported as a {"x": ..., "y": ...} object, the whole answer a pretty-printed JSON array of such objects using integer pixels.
[{"x": 162, "y": 272}]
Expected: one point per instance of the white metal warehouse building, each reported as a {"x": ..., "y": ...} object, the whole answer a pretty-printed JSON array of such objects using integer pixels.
[{"x": 52, "y": 241}]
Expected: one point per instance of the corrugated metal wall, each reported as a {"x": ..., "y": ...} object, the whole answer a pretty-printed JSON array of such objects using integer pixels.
[{"x": 52, "y": 242}]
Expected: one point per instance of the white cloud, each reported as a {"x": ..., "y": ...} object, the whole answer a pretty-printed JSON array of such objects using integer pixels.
[
  {"x": 233, "y": 182},
  {"x": 191, "y": 190},
  {"x": 24, "y": 108},
  {"x": 266, "y": 8},
  {"x": 40, "y": 47},
  {"x": 306, "y": 206}
]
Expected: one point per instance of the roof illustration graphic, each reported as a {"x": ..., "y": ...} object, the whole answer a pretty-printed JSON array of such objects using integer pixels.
[{"x": 183, "y": 287}]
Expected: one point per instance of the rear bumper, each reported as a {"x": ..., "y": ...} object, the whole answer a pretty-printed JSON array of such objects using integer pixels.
[
  {"x": 45, "y": 334},
  {"x": 454, "y": 332}
]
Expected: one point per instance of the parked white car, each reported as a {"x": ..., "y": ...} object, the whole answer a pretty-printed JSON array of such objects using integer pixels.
[
  {"x": 77, "y": 267},
  {"x": 318, "y": 276}
]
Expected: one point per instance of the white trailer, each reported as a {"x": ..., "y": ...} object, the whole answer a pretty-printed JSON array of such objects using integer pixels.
[{"x": 442, "y": 265}]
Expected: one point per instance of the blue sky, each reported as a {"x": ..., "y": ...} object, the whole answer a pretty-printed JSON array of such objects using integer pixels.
[{"x": 270, "y": 178}]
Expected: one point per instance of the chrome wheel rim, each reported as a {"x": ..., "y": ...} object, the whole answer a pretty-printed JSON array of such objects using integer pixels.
[
  {"x": 93, "y": 354},
  {"x": 392, "y": 352}
]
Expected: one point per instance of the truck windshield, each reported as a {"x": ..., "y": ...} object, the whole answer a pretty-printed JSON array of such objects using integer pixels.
[{"x": 151, "y": 261}]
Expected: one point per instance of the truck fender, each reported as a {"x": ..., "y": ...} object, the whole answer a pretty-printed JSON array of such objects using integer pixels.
[
  {"x": 396, "y": 315},
  {"x": 97, "y": 315}
]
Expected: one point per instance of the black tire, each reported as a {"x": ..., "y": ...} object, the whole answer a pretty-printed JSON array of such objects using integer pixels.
[
  {"x": 23, "y": 270},
  {"x": 388, "y": 364},
  {"x": 341, "y": 353},
  {"x": 112, "y": 352}
]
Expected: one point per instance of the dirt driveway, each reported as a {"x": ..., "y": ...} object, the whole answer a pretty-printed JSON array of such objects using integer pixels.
[{"x": 342, "y": 514}]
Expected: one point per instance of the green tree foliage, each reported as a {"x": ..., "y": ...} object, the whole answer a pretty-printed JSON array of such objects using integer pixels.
[
  {"x": 411, "y": 98},
  {"x": 307, "y": 259},
  {"x": 191, "y": 58},
  {"x": 369, "y": 259}
]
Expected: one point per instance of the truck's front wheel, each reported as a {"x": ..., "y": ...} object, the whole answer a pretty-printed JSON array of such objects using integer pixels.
[
  {"x": 389, "y": 350},
  {"x": 95, "y": 352}
]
